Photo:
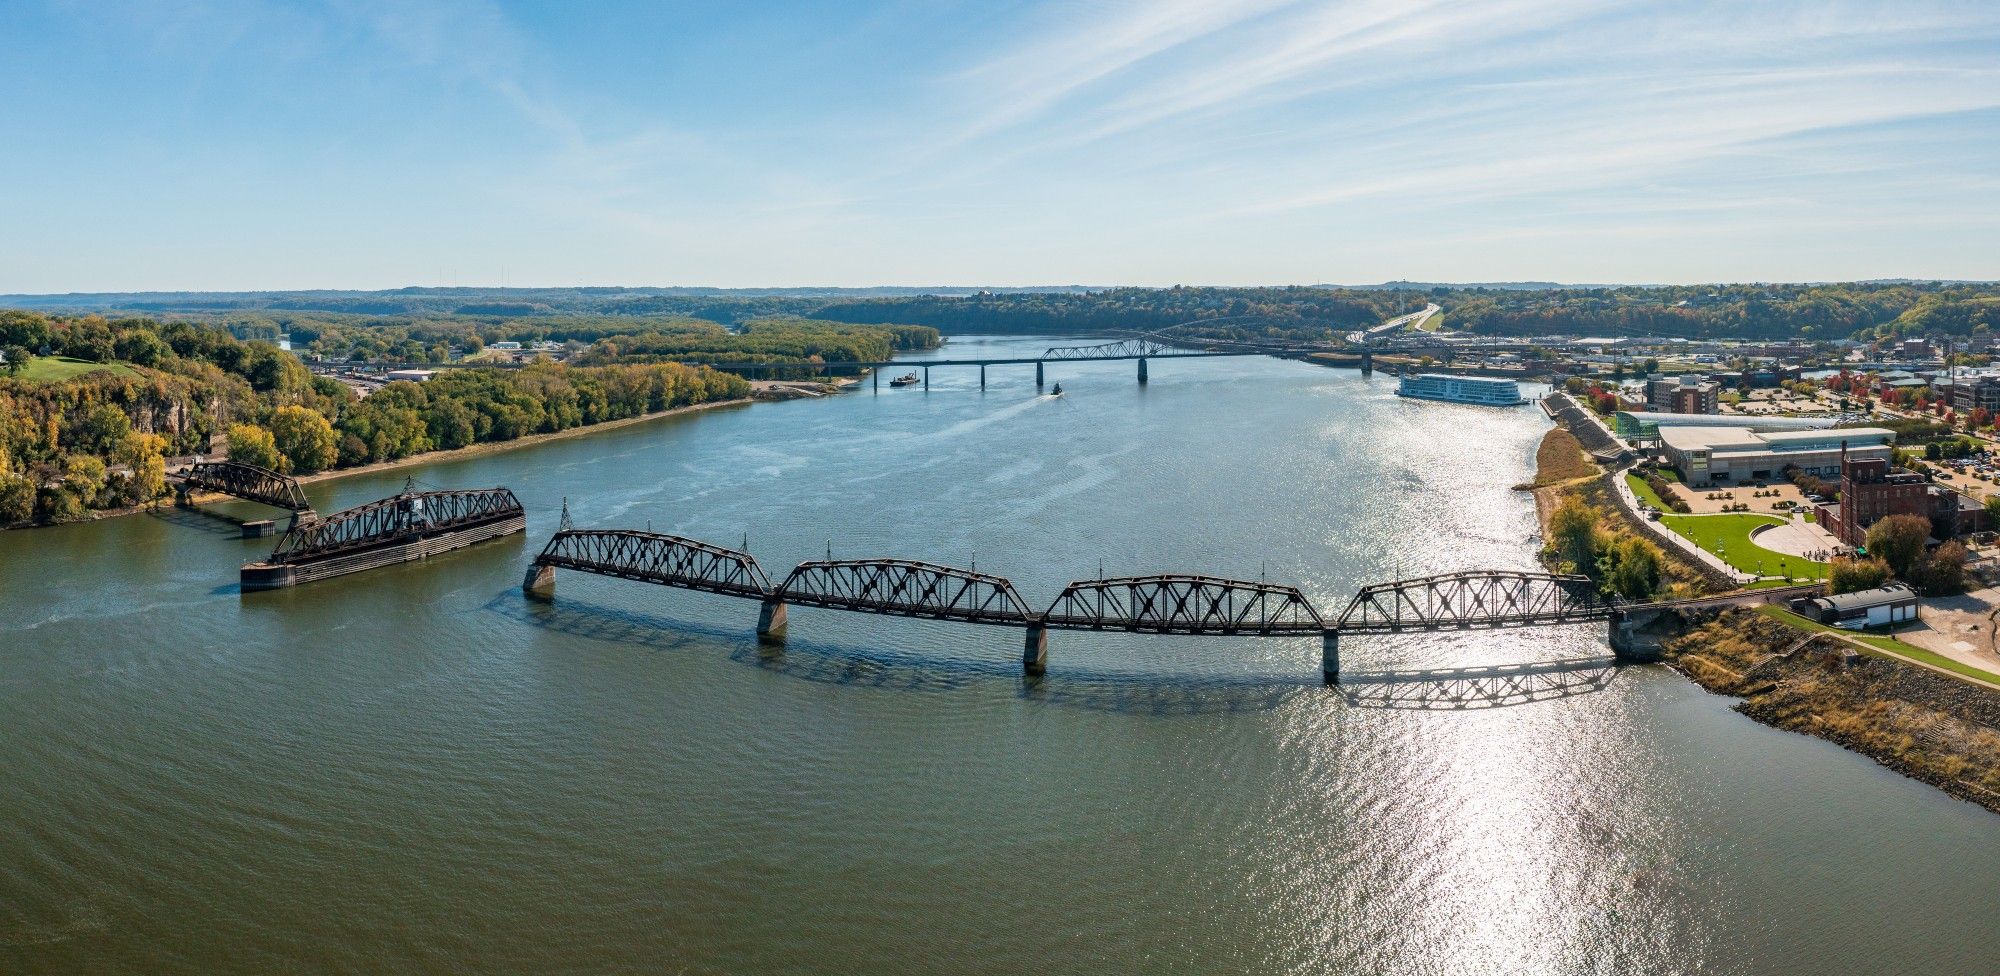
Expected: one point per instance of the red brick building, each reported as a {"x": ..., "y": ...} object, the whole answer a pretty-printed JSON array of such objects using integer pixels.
[{"x": 1871, "y": 490}]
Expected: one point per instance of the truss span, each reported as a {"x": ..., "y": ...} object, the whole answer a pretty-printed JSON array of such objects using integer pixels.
[
  {"x": 1135, "y": 346},
  {"x": 652, "y": 557},
  {"x": 1479, "y": 599},
  {"x": 905, "y": 588},
  {"x": 245, "y": 481},
  {"x": 1183, "y": 605},
  {"x": 398, "y": 518}
]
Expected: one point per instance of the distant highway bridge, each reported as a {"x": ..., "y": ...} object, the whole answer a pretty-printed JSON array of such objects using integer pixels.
[
  {"x": 1155, "y": 604},
  {"x": 1139, "y": 346}
]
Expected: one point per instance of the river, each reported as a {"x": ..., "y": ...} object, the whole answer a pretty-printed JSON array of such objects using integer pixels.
[{"x": 417, "y": 770}]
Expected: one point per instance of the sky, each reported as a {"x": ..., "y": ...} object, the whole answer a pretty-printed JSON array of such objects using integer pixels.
[{"x": 271, "y": 144}]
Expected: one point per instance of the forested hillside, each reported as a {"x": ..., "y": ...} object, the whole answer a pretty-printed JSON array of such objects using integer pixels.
[
  {"x": 411, "y": 323},
  {"x": 131, "y": 392}
]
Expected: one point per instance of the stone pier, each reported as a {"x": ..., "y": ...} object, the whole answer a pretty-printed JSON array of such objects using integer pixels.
[
  {"x": 1038, "y": 374},
  {"x": 540, "y": 583},
  {"x": 771, "y": 621},
  {"x": 1142, "y": 371},
  {"x": 1329, "y": 656},
  {"x": 1035, "y": 650}
]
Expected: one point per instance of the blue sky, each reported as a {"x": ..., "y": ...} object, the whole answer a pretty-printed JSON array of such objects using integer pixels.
[{"x": 238, "y": 144}]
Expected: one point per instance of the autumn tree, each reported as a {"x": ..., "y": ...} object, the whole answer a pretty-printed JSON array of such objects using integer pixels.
[
  {"x": 1849, "y": 575},
  {"x": 304, "y": 438},
  {"x": 251, "y": 444},
  {"x": 1899, "y": 541}
]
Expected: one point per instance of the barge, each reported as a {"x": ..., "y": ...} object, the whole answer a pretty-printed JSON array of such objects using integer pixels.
[{"x": 402, "y": 528}]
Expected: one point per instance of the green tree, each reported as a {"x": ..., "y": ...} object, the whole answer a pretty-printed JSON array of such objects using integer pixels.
[
  {"x": 17, "y": 358},
  {"x": 304, "y": 438},
  {"x": 1849, "y": 575},
  {"x": 1899, "y": 541},
  {"x": 251, "y": 444},
  {"x": 1631, "y": 568},
  {"x": 1573, "y": 536},
  {"x": 1941, "y": 572}
]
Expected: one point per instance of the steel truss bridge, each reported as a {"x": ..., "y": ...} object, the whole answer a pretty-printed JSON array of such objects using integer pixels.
[
  {"x": 246, "y": 481},
  {"x": 1160, "y": 604},
  {"x": 398, "y": 518}
]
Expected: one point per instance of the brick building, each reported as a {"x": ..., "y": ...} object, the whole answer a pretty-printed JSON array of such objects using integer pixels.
[{"x": 1872, "y": 490}]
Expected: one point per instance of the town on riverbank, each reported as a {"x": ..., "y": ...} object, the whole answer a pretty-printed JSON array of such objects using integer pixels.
[{"x": 1896, "y": 658}]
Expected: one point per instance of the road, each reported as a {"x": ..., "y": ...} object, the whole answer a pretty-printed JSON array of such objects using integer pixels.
[{"x": 1413, "y": 320}]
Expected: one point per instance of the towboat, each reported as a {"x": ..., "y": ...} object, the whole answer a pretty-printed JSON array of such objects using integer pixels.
[
  {"x": 907, "y": 379},
  {"x": 1056, "y": 390}
]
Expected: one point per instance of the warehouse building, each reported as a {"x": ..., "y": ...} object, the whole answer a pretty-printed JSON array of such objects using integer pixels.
[{"x": 1881, "y": 607}]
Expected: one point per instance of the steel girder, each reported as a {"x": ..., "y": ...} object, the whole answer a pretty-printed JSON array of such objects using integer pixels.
[
  {"x": 1486, "y": 598},
  {"x": 248, "y": 482},
  {"x": 1169, "y": 604},
  {"x": 905, "y": 588},
  {"x": 653, "y": 557},
  {"x": 403, "y": 516}
]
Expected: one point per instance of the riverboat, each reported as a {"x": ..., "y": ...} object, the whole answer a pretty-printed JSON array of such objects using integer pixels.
[
  {"x": 907, "y": 379},
  {"x": 1480, "y": 390},
  {"x": 1057, "y": 391}
]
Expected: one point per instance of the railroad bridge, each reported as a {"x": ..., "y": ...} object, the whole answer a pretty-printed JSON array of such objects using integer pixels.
[
  {"x": 1156, "y": 604},
  {"x": 248, "y": 482}
]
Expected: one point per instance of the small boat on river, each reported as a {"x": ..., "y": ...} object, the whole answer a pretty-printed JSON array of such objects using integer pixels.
[
  {"x": 907, "y": 379},
  {"x": 1057, "y": 391}
]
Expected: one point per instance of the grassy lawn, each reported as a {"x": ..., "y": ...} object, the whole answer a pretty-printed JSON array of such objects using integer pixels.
[
  {"x": 1645, "y": 493},
  {"x": 1881, "y": 642},
  {"x": 54, "y": 369},
  {"x": 1729, "y": 537}
]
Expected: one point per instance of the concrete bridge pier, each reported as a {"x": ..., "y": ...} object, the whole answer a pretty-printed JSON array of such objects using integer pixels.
[
  {"x": 982, "y": 377},
  {"x": 1038, "y": 374},
  {"x": 771, "y": 622},
  {"x": 927, "y": 377},
  {"x": 876, "y": 375},
  {"x": 540, "y": 583},
  {"x": 1367, "y": 363},
  {"x": 1636, "y": 634},
  {"x": 1329, "y": 656},
  {"x": 1035, "y": 652},
  {"x": 1142, "y": 371}
]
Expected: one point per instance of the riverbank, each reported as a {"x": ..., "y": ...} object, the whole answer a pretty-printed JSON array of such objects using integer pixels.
[
  {"x": 1923, "y": 724},
  {"x": 1920, "y": 722},
  {"x": 433, "y": 457}
]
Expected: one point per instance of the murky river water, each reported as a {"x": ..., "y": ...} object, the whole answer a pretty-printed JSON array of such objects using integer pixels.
[{"x": 415, "y": 770}]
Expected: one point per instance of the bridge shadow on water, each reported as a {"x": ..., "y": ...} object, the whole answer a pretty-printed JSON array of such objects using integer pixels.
[
  {"x": 199, "y": 519},
  {"x": 894, "y": 670},
  {"x": 1466, "y": 689}
]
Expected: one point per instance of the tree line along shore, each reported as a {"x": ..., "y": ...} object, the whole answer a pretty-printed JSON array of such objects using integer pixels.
[
  {"x": 91, "y": 409},
  {"x": 1856, "y": 690}
]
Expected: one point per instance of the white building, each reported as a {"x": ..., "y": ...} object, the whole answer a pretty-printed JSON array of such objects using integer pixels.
[
  {"x": 1708, "y": 456},
  {"x": 1892, "y": 604}
]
